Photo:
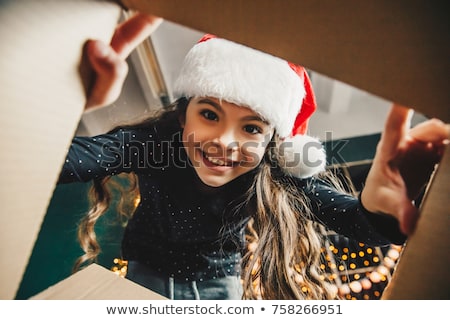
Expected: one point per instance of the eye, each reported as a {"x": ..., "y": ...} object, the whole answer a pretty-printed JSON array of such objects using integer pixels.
[
  {"x": 209, "y": 115},
  {"x": 252, "y": 129}
]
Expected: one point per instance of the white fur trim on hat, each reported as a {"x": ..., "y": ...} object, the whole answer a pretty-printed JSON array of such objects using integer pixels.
[
  {"x": 244, "y": 76},
  {"x": 304, "y": 156}
]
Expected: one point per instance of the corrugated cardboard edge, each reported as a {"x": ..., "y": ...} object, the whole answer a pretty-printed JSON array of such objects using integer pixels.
[
  {"x": 96, "y": 283},
  {"x": 423, "y": 269},
  {"x": 42, "y": 100}
]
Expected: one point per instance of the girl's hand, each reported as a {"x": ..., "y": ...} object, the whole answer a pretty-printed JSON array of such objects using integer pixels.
[
  {"x": 109, "y": 61},
  {"x": 402, "y": 166}
]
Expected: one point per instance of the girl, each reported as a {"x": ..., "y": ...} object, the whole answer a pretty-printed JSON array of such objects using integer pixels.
[{"x": 231, "y": 155}]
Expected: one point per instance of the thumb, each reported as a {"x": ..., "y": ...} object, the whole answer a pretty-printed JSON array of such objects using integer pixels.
[
  {"x": 110, "y": 72},
  {"x": 104, "y": 60},
  {"x": 408, "y": 216}
]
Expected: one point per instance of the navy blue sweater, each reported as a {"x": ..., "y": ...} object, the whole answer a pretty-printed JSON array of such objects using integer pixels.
[{"x": 186, "y": 229}]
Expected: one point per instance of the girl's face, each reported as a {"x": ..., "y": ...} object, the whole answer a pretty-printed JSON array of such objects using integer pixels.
[{"x": 223, "y": 140}]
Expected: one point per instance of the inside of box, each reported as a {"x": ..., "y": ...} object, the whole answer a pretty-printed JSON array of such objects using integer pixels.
[{"x": 28, "y": 57}]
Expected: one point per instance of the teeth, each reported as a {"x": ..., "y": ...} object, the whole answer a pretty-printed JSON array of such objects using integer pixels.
[{"x": 216, "y": 161}]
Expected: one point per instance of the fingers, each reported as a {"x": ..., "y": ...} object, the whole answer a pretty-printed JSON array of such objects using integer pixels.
[
  {"x": 404, "y": 161},
  {"x": 395, "y": 130},
  {"x": 110, "y": 73},
  {"x": 399, "y": 205},
  {"x": 109, "y": 62},
  {"x": 433, "y": 130},
  {"x": 408, "y": 217},
  {"x": 130, "y": 33}
]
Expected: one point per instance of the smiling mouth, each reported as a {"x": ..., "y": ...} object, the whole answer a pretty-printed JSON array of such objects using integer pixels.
[{"x": 219, "y": 162}]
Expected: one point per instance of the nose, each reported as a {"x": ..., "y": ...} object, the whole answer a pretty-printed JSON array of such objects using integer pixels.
[{"x": 227, "y": 139}]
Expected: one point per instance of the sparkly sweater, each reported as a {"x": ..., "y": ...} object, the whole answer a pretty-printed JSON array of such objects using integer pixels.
[{"x": 186, "y": 229}]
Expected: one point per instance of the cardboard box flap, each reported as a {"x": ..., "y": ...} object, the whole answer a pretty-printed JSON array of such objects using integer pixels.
[
  {"x": 96, "y": 283},
  {"x": 422, "y": 271},
  {"x": 397, "y": 50},
  {"x": 42, "y": 99}
]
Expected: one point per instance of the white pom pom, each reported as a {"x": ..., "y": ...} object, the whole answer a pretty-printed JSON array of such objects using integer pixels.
[{"x": 304, "y": 156}]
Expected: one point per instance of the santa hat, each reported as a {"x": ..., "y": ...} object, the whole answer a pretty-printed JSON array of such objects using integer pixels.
[{"x": 279, "y": 91}]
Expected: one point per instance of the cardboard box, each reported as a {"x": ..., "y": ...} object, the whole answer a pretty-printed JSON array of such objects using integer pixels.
[
  {"x": 108, "y": 286},
  {"x": 42, "y": 99},
  {"x": 395, "y": 49},
  {"x": 422, "y": 271}
]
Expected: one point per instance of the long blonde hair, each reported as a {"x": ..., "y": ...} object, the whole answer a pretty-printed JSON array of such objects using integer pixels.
[{"x": 283, "y": 262}]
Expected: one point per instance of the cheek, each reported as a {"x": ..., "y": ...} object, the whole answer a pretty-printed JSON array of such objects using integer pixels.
[
  {"x": 253, "y": 153},
  {"x": 189, "y": 132},
  {"x": 193, "y": 129},
  {"x": 190, "y": 140}
]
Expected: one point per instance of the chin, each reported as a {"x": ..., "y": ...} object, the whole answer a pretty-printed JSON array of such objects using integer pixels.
[{"x": 213, "y": 182}]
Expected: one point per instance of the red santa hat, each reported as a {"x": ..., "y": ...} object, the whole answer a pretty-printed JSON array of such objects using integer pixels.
[{"x": 279, "y": 91}]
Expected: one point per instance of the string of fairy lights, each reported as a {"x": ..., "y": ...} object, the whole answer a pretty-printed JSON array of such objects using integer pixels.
[{"x": 358, "y": 272}]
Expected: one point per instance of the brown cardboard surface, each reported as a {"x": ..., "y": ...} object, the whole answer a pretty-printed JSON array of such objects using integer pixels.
[
  {"x": 395, "y": 49},
  {"x": 96, "y": 283},
  {"x": 42, "y": 99},
  {"x": 423, "y": 269},
  {"x": 398, "y": 50}
]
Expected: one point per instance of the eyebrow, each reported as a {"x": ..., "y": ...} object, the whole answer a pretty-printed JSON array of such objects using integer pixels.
[
  {"x": 219, "y": 108},
  {"x": 212, "y": 103},
  {"x": 256, "y": 118}
]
